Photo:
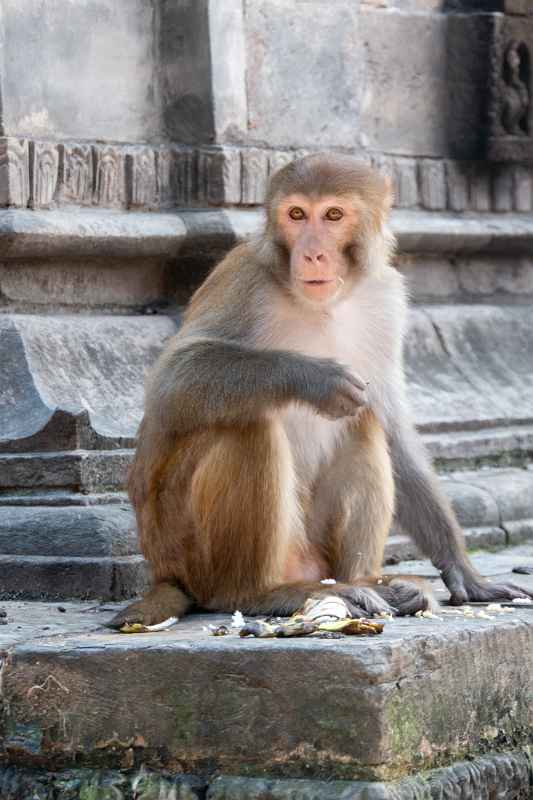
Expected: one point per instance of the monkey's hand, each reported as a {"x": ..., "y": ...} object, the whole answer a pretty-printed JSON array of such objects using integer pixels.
[
  {"x": 469, "y": 586},
  {"x": 334, "y": 391}
]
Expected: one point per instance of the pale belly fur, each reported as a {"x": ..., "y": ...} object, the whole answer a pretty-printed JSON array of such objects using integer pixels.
[{"x": 363, "y": 337}]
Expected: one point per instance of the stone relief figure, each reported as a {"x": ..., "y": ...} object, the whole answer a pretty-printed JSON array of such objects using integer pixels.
[{"x": 516, "y": 97}]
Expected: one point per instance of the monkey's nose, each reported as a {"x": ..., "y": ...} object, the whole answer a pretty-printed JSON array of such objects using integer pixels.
[{"x": 314, "y": 258}]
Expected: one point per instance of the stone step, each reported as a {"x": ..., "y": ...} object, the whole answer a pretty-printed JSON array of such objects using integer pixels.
[
  {"x": 126, "y": 256},
  {"x": 493, "y": 506},
  {"x": 72, "y": 550},
  {"x": 506, "y": 776},
  {"x": 374, "y": 711},
  {"x": 491, "y": 446},
  {"x": 59, "y": 577}
]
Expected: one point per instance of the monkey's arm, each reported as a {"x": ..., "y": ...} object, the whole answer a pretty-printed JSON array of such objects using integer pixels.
[
  {"x": 203, "y": 382},
  {"x": 426, "y": 514}
]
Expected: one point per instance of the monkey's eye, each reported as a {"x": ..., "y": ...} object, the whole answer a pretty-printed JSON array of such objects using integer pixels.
[
  {"x": 334, "y": 214},
  {"x": 297, "y": 213}
]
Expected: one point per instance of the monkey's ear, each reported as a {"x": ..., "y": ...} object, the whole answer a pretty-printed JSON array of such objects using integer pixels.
[{"x": 388, "y": 197}]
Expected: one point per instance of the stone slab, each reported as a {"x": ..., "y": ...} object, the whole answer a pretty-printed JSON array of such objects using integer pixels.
[
  {"x": 62, "y": 577},
  {"x": 463, "y": 449},
  {"x": 465, "y": 368},
  {"x": 361, "y": 708},
  {"x": 85, "y": 531},
  {"x": 107, "y": 233},
  {"x": 504, "y": 775},
  {"x": 277, "y": 54},
  {"x": 81, "y": 363},
  {"x": 96, "y": 87}
]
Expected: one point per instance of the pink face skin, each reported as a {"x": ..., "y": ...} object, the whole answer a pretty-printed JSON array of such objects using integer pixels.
[{"x": 316, "y": 231}]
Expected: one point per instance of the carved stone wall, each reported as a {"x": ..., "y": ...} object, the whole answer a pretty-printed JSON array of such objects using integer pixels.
[
  {"x": 40, "y": 174},
  {"x": 511, "y": 80}
]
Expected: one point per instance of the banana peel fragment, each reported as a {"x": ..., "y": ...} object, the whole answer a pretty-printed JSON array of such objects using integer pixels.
[{"x": 299, "y": 626}]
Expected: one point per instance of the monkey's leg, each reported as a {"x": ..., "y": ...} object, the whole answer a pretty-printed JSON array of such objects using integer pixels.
[{"x": 353, "y": 510}]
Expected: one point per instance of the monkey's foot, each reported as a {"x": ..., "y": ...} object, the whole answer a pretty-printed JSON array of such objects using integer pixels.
[
  {"x": 364, "y": 601},
  {"x": 407, "y": 595},
  {"x": 161, "y": 602},
  {"x": 473, "y": 588}
]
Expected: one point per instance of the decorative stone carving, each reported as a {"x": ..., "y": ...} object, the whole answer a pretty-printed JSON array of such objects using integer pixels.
[
  {"x": 432, "y": 185},
  {"x": 141, "y": 179},
  {"x": 406, "y": 183},
  {"x": 219, "y": 173},
  {"x": 110, "y": 188},
  {"x": 44, "y": 171},
  {"x": 76, "y": 173},
  {"x": 511, "y": 87},
  {"x": 186, "y": 176},
  {"x": 278, "y": 159},
  {"x": 166, "y": 176},
  {"x": 254, "y": 176},
  {"x": 457, "y": 185},
  {"x": 14, "y": 173}
]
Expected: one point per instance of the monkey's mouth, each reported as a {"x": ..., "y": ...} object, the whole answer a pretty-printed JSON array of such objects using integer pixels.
[{"x": 318, "y": 283}]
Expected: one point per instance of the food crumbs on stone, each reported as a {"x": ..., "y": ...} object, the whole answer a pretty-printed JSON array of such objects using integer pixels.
[{"x": 237, "y": 620}]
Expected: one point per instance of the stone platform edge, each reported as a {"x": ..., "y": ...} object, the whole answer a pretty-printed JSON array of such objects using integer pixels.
[
  {"x": 507, "y": 775},
  {"x": 80, "y": 234}
]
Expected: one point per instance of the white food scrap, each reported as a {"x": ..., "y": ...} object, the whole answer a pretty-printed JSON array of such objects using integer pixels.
[{"x": 237, "y": 620}]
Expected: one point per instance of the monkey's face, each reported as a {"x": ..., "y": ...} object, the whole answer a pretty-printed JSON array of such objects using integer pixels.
[{"x": 318, "y": 234}]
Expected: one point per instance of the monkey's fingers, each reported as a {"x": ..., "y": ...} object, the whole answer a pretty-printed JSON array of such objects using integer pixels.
[
  {"x": 356, "y": 381},
  {"x": 346, "y": 401}
]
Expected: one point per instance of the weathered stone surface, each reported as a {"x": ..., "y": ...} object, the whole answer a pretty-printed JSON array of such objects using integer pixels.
[
  {"x": 477, "y": 365},
  {"x": 279, "y": 58},
  {"x": 502, "y": 189},
  {"x": 384, "y": 706},
  {"x": 110, "y": 176},
  {"x": 73, "y": 531},
  {"x": 141, "y": 178},
  {"x": 76, "y": 174},
  {"x": 229, "y": 71},
  {"x": 14, "y": 172},
  {"x": 93, "y": 363},
  {"x": 220, "y": 171},
  {"x": 473, "y": 278},
  {"x": 480, "y": 189},
  {"x": 88, "y": 77},
  {"x": 25, "y": 234},
  {"x": 457, "y": 183},
  {"x": 254, "y": 176},
  {"x": 278, "y": 159},
  {"x": 433, "y": 184},
  {"x": 64, "y": 577},
  {"x": 406, "y": 183},
  {"x": 464, "y": 449},
  {"x": 506, "y": 773},
  {"x": 523, "y": 189},
  {"x": 44, "y": 173},
  {"x": 512, "y": 489}
]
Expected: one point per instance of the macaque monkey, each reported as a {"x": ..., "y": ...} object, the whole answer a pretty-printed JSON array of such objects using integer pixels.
[{"x": 276, "y": 444}]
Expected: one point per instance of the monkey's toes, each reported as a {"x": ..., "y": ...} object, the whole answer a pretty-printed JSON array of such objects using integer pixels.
[
  {"x": 408, "y": 598},
  {"x": 365, "y": 602},
  {"x": 137, "y": 613}
]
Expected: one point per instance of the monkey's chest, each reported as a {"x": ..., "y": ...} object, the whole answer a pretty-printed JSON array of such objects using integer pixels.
[{"x": 313, "y": 439}]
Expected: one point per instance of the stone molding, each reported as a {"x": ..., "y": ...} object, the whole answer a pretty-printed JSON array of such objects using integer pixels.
[{"x": 44, "y": 175}]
